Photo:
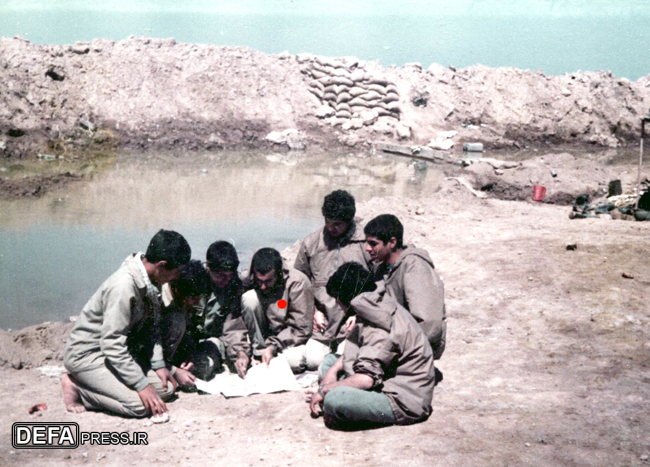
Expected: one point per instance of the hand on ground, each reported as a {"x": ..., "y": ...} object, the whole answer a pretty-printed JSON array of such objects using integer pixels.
[{"x": 152, "y": 401}]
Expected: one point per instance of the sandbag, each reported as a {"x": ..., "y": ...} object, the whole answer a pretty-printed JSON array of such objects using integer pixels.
[
  {"x": 342, "y": 80},
  {"x": 357, "y": 109},
  {"x": 317, "y": 73},
  {"x": 372, "y": 96},
  {"x": 378, "y": 89},
  {"x": 341, "y": 88},
  {"x": 357, "y": 75},
  {"x": 356, "y": 91},
  {"x": 343, "y": 106},
  {"x": 357, "y": 101},
  {"x": 316, "y": 92},
  {"x": 326, "y": 80},
  {"x": 343, "y": 97},
  {"x": 317, "y": 84},
  {"x": 388, "y": 98},
  {"x": 394, "y": 107},
  {"x": 374, "y": 80}
]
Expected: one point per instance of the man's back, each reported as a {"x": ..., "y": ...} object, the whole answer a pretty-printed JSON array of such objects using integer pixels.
[
  {"x": 415, "y": 284},
  {"x": 390, "y": 346},
  {"x": 104, "y": 328}
]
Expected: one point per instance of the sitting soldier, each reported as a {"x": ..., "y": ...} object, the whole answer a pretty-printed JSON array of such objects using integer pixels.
[
  {"x": 278, "y": 310},
  {"x": 386, "y": 374}
]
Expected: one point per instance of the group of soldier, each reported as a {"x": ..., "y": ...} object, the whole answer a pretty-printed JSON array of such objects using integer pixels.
[{"x": 358, "y": 306}]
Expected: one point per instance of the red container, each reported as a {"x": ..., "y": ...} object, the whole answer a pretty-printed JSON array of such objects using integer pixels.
[{"x": 539, "y": 192}]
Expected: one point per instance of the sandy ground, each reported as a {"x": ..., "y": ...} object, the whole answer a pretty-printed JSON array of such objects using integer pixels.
[{"x": 547, "y": 360}]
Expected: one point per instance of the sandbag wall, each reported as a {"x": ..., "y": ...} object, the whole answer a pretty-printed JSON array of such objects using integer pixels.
[{"x": 352, "y": 92}]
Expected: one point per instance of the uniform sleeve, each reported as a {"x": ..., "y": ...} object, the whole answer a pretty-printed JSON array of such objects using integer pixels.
[
  {"x": 376, "y": 354},
  {"x": 235, "y": 332},
  {"x": 157, "y": 359},
  {"x": 424, "y": 298},
  {"x": 118, "y": 302},
  {"x": 302, "y": 261},
  {"x": 299, "y": 317}
]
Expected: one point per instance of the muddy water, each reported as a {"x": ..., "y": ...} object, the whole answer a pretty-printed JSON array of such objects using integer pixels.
[{"x": 55, "y": 251}]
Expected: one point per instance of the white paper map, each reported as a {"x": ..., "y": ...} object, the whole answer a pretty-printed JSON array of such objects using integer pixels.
[{"x": 260, "y": 379}]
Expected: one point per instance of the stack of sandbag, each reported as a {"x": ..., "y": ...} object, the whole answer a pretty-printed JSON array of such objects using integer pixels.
[{"x": 348, "y": 91}]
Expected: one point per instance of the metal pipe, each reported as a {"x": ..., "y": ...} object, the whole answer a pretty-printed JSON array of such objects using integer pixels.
[{"x": 638, "y": 178}]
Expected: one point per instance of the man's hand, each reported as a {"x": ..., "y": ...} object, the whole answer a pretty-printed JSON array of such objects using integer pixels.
[
  {"x": 165, "y": 376},
  {"x": 268, "y": 354},
  {"x": 241, "y": 364},
  {"x": 331, "y": 376},
  {"x": 316, "y": 404},
  {"x": 349, "y": 324},
  {"x": 320, "y": 322},
  {"x": 152, "y": 401},
  {"x": 184, "y": 375}
]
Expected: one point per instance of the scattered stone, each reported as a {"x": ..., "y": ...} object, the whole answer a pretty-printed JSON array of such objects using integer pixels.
[
  {"x": 403, "y": 131},
  {"x": 325, "y": 111},
  {"x": 368, "y": 117},
  {"x": 280, "y": 137},
  {"x": 443, "y": 144}
]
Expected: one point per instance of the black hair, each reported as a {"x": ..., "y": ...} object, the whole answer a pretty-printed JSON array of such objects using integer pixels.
[
  {"x": 339, "y": 205},
  {"x": 168, "y": 246},
  {"x": 350, "y": 280},
  {"x": 222, "y": 256},
  {"x": 385, "y": 227},
  {"x": 193, "y": 281},
  {"x": 267, "y": 259}
]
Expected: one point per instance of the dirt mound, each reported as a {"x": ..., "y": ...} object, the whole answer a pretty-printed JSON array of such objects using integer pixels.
[
  {"x": 564, "y": 176},
  {"x": 150, "y": 93},
  {"x": 33, "y": 346}
]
